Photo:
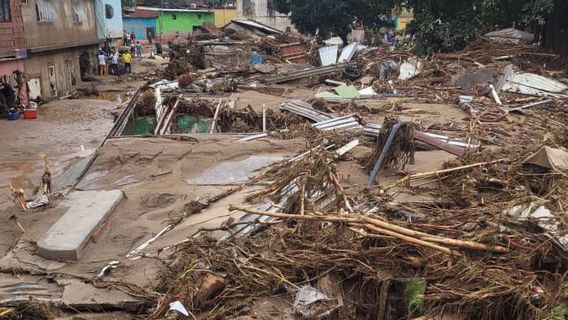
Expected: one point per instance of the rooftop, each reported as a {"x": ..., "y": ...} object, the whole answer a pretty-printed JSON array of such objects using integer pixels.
[{"x": 171, "y": 10}]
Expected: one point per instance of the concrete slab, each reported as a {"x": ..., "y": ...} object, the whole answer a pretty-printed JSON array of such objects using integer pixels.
[
  {"x": 234, "y": 172},
  {"x": 67, "y": 237}
]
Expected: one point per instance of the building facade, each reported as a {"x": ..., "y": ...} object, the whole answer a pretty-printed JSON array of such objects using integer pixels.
[
  {"x": 12, "y": 39},
  {"x": 109, "y": 19},
  {"x": 264, "y": 12},
  {"x": 52, "y": 64},
  {"x": 223, "y": 16},
  {"x": 164, "y": 24}
]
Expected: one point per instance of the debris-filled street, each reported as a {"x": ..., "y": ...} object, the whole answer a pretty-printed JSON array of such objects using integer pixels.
[{"x": 248, "y": 172}]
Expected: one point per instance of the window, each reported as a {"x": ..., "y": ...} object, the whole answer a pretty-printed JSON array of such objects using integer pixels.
[
  {"x": 174, "y": 17},
  {"x": 109, "y": 11},
  {"x": 78, "y": 14},
  {"x": 45, "y": 11},
  {"x": 5, "y": 11}
]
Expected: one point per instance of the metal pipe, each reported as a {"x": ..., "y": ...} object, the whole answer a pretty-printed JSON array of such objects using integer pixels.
[{"x": 383, "y": 155}]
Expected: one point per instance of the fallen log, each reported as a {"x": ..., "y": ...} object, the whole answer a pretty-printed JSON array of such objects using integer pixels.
[{"x": 375, "y": 225}]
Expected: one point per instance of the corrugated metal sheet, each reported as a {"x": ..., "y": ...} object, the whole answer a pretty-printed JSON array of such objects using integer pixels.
[
  {"x": 348, "y": 52},
  {"x": 373, "y": 129},
  {"x": 534, "y": 85},
  {"x": 510, "y": 35},
  {"x": 258, "y": 25},
  {"x": 342, "y": 123},
  {"x": 305, "y": 110},
  {"x": 328, "y": 55}
]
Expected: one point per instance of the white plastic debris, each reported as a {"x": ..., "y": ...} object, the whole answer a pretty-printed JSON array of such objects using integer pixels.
[
  {"x": 40, "y": 201},
  {"x": 178, "y": 306},
  {"x": 409, "y": 69},
  {"x": 308, "y": 295}
]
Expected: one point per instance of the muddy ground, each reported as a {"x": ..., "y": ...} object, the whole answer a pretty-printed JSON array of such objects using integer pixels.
[{"x": 182, "y": 186}]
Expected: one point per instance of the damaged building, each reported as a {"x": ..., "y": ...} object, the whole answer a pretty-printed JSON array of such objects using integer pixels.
[
  {"x": 53, "y": 62},
  {"x": 264, "y": 11},
  {"x": 12, "y": 39}
]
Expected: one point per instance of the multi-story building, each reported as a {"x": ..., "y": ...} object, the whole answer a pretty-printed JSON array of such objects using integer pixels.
[
  {"x": 264, "y": 11},
  {"x": 12, "y": 40},
  {"x": 57, "y": 33},
  {"x": 163, "y": 25},
  {"x": 109, "y": 19}
]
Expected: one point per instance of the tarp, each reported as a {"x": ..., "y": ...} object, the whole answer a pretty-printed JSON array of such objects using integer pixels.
[{"x": 551, "y": 158}]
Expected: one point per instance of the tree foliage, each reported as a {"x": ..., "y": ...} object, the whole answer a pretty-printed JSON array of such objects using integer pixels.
[
  {"x": 439, "y": 25},
  {"x": 446, "y": 25},
  {"x": 128, "y": 3},
  {"x": 332, "y": 17}
]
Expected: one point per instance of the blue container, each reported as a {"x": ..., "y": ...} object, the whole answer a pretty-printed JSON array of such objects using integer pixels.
[
  {"x": 13, "y": 116},
  {"x": 256, "y": 58}
]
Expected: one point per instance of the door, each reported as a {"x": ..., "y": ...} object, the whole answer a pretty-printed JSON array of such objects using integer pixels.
[
  {"x": 34, "y": 85},
  {"x": 150, "y": 33},
  {"x": 69, "y": 73},
  {"x": 52, "y": 80}
]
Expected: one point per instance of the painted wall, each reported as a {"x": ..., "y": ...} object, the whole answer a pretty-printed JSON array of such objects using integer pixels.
[
  {"x": 8, "y": 67},
  {"x": 183, "y": 22},
  {"x": 37, "y": 66},
  {"x": 138, "y": 26},
  {"x": 61, "y": 30},
  {"x": 259, "y": 10},
  {"x": 106, "y": 27},
  {"x": 12, "y": 32},
  {"x": 224, "y": 16}
]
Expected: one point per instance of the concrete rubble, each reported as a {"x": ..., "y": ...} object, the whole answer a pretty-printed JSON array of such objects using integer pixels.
[{"x": 261, "y": 174}]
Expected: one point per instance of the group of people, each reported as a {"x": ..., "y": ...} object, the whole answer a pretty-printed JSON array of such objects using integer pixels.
[
  {"x": 7, "y": 98},
  {"x": 128, "y": 38},
  {"x": 11, "y": 97},
  {"x": 111, "y": 60}
]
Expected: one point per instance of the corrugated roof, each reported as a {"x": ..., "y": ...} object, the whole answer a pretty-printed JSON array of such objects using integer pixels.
[
  {"x": 172, "y": 10},
  {"x": 257, "y": 25},
  {"x": 140, "y": 13}
]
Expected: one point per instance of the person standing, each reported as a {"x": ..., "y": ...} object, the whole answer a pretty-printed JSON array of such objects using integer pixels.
[
  {"x": 9, "y": 97},
  {"x": 138, "y": 49},
  {"x": 127, "y": 59},
  {"x": 114, "y": 63},
  {"x": 23, "y": 90},
  {"x": 102, "y": 63}
]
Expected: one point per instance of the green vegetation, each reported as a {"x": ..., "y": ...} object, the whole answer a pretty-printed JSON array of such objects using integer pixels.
[{"x": 439, "y": 25}]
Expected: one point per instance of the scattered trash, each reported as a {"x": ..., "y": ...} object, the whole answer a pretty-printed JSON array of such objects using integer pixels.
[
  {"x": 40, "y": 201},
  {"x": 108, "y": 268},
  {"x": 178, "y": 306},
  {"x": 328, "y": 56},
  {"x": 348, "y": 52},
  {"x": 550, "y": 158},
  {"x": 534, "y": 85},
  {"x": 343, "y": 92},
  {"x": 409, "y": 69},
  {"x": 510, "y": 35}
]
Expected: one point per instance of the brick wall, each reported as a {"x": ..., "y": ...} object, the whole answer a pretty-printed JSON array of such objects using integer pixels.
[{"x": 12, "y": 32}]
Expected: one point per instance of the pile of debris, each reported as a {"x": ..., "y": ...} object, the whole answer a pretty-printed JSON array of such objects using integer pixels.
[
  {"x": 493, "y": 245},
  {"x": 492, "y": 242}
]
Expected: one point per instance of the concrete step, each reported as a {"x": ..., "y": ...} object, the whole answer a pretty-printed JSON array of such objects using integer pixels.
[{"x": 66, "y": 239}]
